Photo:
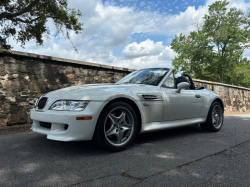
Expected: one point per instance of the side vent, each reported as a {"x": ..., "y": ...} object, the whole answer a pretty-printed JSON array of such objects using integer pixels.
[{"x": 150, "y": 97}]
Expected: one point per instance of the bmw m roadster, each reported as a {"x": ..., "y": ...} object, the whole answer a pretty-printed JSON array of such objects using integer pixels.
[{"x": 113, "y": 114}]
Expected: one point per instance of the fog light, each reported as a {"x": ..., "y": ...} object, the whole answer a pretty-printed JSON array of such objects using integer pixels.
[{"x": 66, "y": 127}]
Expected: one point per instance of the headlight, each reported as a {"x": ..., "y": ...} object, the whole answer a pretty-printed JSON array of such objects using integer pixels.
[{"x": 69, "y": 105}]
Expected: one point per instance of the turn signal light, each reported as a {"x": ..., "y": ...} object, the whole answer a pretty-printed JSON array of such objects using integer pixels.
[{"x": 84, "y": 118}]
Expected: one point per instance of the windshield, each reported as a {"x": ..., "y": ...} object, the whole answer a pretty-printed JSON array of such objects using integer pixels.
[{"x": 146, "y": 76}]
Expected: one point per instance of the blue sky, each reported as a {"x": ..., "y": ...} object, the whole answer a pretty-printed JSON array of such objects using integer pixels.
[
  {"x": 161, "y": 6},
  {"x": 127, "y": 33}
]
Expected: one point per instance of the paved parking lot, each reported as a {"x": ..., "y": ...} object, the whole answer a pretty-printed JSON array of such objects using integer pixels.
[{"x": 180, "y": 157}]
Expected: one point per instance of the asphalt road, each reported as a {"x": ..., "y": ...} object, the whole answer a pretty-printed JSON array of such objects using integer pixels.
[{"x": 180, "y": 157}]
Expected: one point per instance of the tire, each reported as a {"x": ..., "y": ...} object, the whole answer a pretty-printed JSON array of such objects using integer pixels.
[
  {"x": 117, "y": 127},
  {"x": 215, "y": 118}
]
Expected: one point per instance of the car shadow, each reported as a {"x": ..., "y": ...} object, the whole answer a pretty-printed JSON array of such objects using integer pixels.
[
  {"x": 87, "y": 148},
  {"x": 90, "y": 148}
]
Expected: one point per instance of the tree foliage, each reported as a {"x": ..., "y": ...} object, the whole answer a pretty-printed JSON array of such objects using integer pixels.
[
  {"x": 24, "y": 20},
  {"x": 215, "y": 51}
]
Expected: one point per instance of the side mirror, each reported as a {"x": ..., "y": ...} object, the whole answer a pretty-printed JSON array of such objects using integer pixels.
[{"x": 182, "y": 85}]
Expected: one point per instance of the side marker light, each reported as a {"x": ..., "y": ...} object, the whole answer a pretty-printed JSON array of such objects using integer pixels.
[{"x": 84, "y": 118}]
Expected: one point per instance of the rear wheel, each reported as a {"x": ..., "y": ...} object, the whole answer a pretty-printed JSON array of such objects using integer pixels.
[
  {"x": 117, "y": 126},
  {"x": 215, "y": 118}
]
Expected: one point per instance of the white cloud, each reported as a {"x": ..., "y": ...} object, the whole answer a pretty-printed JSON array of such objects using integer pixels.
[
  {"x": 145, "y": 48},
  {"x": 167, "y": 55},
  {"x": 155, "y": 55},
  {"x": 181, "y": 23},
  {"x": 142, "y": 62}
]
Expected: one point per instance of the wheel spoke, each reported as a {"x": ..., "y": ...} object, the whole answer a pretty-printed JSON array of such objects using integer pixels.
[
  {"x": 122, "y": 117},
  {"x": 214, "y": 117},
  {"x": 111, "y": 132},
  {"x": 126, "y": 125},
  {"x": 113, "y": 118},
  {"x": 123, "y": 122},
  {"x": 125, "y": 128},
  {"x": 119, "y": 136}
]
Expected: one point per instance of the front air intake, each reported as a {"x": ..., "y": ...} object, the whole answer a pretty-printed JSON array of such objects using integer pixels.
[
  {"x": 42, "y": 102},
  {"x": 45, "y": 125}
]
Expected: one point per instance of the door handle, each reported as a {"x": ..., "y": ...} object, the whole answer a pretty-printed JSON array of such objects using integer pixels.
[{"x": 197, "y": 96}]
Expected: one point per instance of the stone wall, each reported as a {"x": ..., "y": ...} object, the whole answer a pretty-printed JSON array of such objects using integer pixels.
[
  {"x": 24, "y": 77},
  {"x": 235, "y": 98}
]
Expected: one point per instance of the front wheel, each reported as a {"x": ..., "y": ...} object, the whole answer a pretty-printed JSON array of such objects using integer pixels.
[
  {"x": 117, "y": 127},
  {"x": 215, "y": 118}
]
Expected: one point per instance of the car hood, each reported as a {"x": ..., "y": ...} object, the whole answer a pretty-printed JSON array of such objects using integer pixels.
[{"x": 100, "y": 92}]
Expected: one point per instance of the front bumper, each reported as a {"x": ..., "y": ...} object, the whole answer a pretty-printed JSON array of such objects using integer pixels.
[{"x": 63, "y": 126}]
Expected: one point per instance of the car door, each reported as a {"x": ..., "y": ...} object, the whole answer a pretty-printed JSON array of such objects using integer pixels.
[{"x": 178, "y": 106}]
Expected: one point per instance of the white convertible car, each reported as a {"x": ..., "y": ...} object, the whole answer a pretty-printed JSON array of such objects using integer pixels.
[{"x": 113, "y": 114}]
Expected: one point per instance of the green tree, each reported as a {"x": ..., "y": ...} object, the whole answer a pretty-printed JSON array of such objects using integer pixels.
[
  {"x": 215, "y": 51},
  {"x": 24, "y": 20}
]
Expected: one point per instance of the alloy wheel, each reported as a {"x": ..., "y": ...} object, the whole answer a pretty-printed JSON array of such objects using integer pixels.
[
  {"x": 119, "y": 126},
  {"x": 217, "y": 116}
]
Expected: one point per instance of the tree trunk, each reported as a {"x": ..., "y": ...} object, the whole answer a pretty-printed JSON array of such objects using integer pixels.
[{"x": 222, "y": 78}]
